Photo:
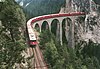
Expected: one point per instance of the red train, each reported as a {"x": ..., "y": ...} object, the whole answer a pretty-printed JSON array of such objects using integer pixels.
[
  {"x": 31, "y": 36},
  {"x": 32, "y": 40}
]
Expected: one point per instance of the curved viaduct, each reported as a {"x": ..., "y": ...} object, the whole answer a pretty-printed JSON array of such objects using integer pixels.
[{"x": 59, "y": 24}]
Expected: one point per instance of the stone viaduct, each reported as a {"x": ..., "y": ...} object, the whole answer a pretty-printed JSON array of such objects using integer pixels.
[{"x": 59, "y": 24}]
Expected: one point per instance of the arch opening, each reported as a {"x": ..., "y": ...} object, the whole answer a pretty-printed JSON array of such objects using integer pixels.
[
  {"x": 66, "y": 23},
  {"x": 64, "y": 33},
  {"x": 37, "y": 27},
  {"x": 45, "y": 26},
  {"x": 55, "y": 27}
]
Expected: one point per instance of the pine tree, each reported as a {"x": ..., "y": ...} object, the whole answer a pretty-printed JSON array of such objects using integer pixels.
[
  {"x": 97, "y": 1},
  {"x": 12, "y": 40}
]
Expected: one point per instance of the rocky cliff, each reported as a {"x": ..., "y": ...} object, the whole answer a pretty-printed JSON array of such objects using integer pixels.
[{"x": 87, "y": 27}]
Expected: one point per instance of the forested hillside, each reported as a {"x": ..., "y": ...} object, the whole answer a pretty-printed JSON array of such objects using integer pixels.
[
  {"x": 12, "y": 28},
  {"x": 97, "y": 1},
  {"x": 84, "y": 56},
  {"x": 13, "y": 43},
  {"x": 41, "y": 7}
]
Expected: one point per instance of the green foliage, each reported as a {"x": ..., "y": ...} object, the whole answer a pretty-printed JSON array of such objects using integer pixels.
[
  {"x": 89, "y": 54},
  {"x": 12, "y": 41},
  {"x": 45, "y": 38},
  {"x": 84, "y": 56},
  {"x": 45, "y": 7},
  {"x": 12, "y": 15},
  {"x": 97, "y": 1},
  {"x": 51, "y": 53},
  {"x": 10, "y": 54}
]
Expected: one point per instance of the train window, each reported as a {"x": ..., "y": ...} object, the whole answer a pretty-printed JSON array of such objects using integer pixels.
[{"x": 32, "y": 35}]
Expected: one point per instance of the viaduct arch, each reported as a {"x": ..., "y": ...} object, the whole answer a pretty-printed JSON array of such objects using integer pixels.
[{"x": 59, "y": 24}]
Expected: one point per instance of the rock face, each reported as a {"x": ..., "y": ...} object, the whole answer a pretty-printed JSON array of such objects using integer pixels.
[
  {"x": 92, "y": 28},
  {"x": 87, "y": 27}
]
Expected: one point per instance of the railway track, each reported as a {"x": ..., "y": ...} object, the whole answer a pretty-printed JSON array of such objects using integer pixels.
[{"x": 38, "y": 60}]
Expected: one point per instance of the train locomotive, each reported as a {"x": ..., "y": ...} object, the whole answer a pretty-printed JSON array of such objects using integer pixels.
[
  {"x": 32, "y": 40},
  {"x": 31, "y": 35}
]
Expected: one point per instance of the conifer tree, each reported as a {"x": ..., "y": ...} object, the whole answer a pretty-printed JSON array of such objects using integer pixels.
[{"x": 12, "y": 40}]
